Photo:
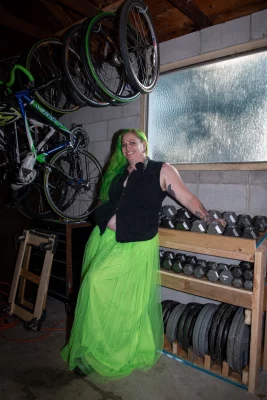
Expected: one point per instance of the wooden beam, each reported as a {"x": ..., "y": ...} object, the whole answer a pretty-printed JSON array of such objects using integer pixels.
[
  {"x": 10, "y": 21},
  {"x": 82, "y": 6},
  {"x": 113, "y": 7},
  {"x": 58, "y": 12},
  {"x": 188, "y": 8}
]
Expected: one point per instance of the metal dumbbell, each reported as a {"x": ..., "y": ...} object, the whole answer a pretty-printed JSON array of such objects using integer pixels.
[
  {"x": 167, "y": 217},
  {"x": 161, "y": 256},
  {"x": 230, "y": 218},
  {"x": 212, "y": 273},
  {"x": 183, "y": 224},
  {"x": 226, "y": 276},
  {"x": 178, "y": 263},
  {"x": 168, "y": 259},
  {"x": 238, "y": 282},
  {"x": 215, "y": 228},
  {"x": 248, "y": 285},
  {"x": 201, "y": 269},
  {"x": 199, "y": 226},
  {"x": 190, "y": 265},
  {"x": 260, "y": 223},
  {"x": 184, "y": 213},
  {"x": 215, "y": 214}
]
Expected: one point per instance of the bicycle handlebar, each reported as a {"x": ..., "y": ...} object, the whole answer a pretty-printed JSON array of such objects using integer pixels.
[{"x": 12, "y": 75}]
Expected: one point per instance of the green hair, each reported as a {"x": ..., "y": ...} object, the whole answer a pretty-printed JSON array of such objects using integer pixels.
[{"x": 118, "y": 161}]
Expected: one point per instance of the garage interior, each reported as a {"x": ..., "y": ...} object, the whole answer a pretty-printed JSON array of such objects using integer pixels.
[{"x": 190, "y": 33}]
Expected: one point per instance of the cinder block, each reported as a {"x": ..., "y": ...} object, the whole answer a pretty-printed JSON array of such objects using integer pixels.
[
  {"x": 236, "y": 31},
  {"x": 101, "y": 150},
  {"x": 188, "y": 176},
  {"x": 107, "y": 113},
  {"x": 180, "y": 48},
  {"x": 82, "y": 116},
  {"x": 123, "y": 123},
  {"x": 256, "y": 177},
  {"x": 132, "y": 108},
  {"x": 258, "y": 203},
  {"x": 211, "y": 38},
  {"x": 239, "y": 177},
  {"x": 259, "y": 25},
  {"x": 209, "y": 176},
  {"x": 97, "y": 131},
  {"x": 224, "y": 197}
]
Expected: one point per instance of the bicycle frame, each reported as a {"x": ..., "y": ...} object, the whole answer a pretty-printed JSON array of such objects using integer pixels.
[{"x": 24, "y": 97}]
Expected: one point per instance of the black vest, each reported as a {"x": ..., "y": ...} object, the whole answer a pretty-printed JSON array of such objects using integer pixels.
[{"x": 137, "y": 206}]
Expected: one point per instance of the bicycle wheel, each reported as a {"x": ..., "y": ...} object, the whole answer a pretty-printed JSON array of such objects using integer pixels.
[
  {"x": 139, "y": 46},
  {"x": 44, "y": 63},
  {"x": 70, "y": 183},
  {"x": 74, "y": 68},
  {"x": 103, "y": 62}
]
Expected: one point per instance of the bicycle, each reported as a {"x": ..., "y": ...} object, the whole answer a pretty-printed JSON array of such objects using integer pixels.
[{"x": 65, "y": 183}]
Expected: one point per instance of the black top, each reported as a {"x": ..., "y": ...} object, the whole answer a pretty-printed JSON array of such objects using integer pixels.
[{"x": 137, "y": 206}]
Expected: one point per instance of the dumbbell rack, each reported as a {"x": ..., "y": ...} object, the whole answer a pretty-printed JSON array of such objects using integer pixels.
[{"x": 232, "y": 248}]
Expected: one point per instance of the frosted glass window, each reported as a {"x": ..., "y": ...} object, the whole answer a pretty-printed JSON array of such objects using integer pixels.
[{"x": 212, "y": 113}]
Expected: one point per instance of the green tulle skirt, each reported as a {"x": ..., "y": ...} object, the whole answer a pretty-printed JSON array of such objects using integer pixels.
[{"x": 118, "y": 320}]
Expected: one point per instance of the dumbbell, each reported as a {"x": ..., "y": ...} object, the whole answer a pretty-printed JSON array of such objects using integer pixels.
[
  {"x": 248, "y": 285},
  {"x": 201, "y": 269},
  {"x": 183, "y": 224},
  {"x": 226, "y": 276},
  {"x": 238, "y": 282},
  {"x": 190, "y": 265},
  {"x": 167, "y": 217},
  {"x": 215, "y": 214},
  {"x": 244, "y": 222},
  {"x": 215, "y": 228},
  {"x": 247, "y": 270},
  {"x": 212, "y": 271},
  {"x": 238, "y": 270},
  {"x": 161, "y": 256},
  {"x": 199, "y": 226},
  {"x": 230, "y": 218},
  {"x": 178, "y": 263},
  {"x": 184, "y": 213},
  {"x": 168, "y": 259},
  {"x": 260, "y": 223}
]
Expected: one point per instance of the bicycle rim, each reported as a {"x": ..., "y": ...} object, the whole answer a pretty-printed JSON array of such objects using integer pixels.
[
  {"x": 74, "y": 67},
  {"x": 70, "y": 183},
  {"x": 44, "y": 63},
  {"x": 103, "y": 59},
  {"x": 139, "y": 46}
]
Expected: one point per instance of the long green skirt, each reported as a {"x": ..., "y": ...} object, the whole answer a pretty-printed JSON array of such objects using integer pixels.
[{"x": 118, "y": 320}]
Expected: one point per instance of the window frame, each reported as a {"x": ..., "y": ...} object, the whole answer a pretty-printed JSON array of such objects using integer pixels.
[{"x": 216, "y": 55}]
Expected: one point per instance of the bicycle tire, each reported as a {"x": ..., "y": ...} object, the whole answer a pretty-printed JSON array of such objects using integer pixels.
[
  {"x": 78, "y": 78},
  {"x": 113, "y": 88},
  {"x": 134, "y": 54},
  {"x": 63, "y": 205},
  {"x": 35, "y": 67}
]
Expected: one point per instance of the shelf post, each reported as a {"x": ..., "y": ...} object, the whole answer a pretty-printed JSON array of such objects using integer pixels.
[{"x": 257, "y": 314}]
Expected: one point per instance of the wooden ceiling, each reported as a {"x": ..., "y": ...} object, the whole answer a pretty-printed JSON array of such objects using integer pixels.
[{"x": 24, "y": 23}]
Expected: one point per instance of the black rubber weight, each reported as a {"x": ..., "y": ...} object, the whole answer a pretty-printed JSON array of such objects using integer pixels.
[
  {"x": 189, "y": 326},
  {"x": 214, "y": 328},
  {"x": 231, "y": 336},
  {"x": 171, "y": 328},
  {"x": 168, "y": 312},
  {"x": 181, "y": 324},
  {"x": 203, "y": 338},
  {"x": 241, "y": 346},
  {"x": 222, "y": 334},
  {"x": 197, "y": 327}
]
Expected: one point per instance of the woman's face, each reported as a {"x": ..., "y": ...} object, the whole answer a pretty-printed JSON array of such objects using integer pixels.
[{"x": 133, "y": 148}]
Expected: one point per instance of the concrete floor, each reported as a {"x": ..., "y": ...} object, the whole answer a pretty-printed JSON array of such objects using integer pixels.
[{"x": 34, "y": 370}]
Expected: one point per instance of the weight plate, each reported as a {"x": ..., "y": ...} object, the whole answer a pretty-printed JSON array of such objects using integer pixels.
[
  {"x": 214, "y": 328},
  {"x": 165, "y": 306},
  {"x": 222, "y": 334},
  {"x": 180, "y": 328},
  {"x": 203, "y": 338},
  {"x": 231, "y": 336},
  {"x": 189, "y": 326},
  {"x": 168, "y": 312},
  {"x": 241, "y": 346},
  {"x": 171, "y": 328},
  {"x": 197, "y": 327}
]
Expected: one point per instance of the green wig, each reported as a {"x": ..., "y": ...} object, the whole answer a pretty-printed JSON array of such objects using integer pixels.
[{"x": 118, "y": 161}]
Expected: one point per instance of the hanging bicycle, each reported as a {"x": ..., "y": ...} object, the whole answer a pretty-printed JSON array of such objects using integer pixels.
[{"x": 67, "y": 181}]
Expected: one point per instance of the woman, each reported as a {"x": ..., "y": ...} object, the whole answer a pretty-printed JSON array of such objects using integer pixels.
[{"x": 118, "y": 322}]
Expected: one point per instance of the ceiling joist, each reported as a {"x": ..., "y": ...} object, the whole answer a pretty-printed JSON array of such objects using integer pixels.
[
  {"x": 57, "y": 11},
  {"x": 10, "y": 21},
  {"x": 83, "y": 7},
  {"x": 188, "y": 8}
]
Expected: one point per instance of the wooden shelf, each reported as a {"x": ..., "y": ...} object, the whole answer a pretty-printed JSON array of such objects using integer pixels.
[
  {"x": 202, "y": 243},
  {"x": 232, "y": 248},
  {"x": 205, "y": 288}
]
